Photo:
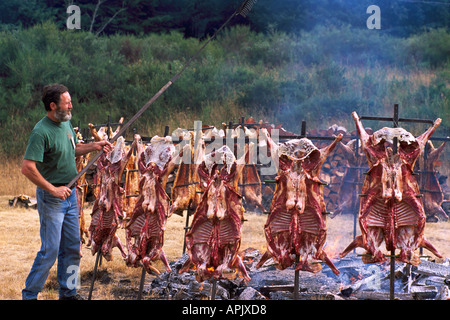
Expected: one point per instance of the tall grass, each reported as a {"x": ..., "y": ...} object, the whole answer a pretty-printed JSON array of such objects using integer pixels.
[{"x": 13, "y": 183}]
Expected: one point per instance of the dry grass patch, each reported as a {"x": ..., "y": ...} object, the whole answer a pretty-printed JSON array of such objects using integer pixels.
[
  {"x": 13, "y": 182},
  {"x": 19, "y": 243}
]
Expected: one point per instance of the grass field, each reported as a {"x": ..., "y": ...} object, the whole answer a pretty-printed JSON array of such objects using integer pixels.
[{"x": 19, "y": 243}]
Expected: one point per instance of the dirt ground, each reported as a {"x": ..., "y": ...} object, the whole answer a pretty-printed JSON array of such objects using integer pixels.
[{"x": 19, "y": 243}]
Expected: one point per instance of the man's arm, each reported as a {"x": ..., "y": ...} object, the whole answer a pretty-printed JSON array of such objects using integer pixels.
[
  {"x": 83, "y": 148},
  {"x": 30, "y": 171}
]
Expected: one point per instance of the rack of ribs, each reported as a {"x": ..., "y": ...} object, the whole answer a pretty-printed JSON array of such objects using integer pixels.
[
  {"x": 296, "y": 225},
  {"x": 215, "y": 236},
  {"x": 145, "y": 229},
  {"x": 390, "y": 208}
]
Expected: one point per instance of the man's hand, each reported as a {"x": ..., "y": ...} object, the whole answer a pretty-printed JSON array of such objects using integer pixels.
[
  {"x": 84, "y": 148},
  {"x": 30, "y": 171},
  {"x": 105, "y": 145},
  {"x": 61, "y": 192}
]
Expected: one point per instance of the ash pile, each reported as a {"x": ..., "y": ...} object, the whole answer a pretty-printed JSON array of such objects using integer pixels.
[{"x": 357, "y": 281}]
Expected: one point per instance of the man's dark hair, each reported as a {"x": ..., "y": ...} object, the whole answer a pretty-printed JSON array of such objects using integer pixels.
[{"x": 52, "y": 93}]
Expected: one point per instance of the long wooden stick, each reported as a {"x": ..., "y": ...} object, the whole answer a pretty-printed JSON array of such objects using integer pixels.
[
  {"x": 243, "y": 10},
  {"x": 122, "y": 130}
]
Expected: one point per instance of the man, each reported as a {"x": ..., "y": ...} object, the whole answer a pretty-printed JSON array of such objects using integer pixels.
[{"x": 49, "y": 163}]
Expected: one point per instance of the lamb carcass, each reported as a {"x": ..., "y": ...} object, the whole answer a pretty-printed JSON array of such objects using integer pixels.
[
  {"x": 215, "y": 236},
  {"x": 390, "y": 209},
  {"x": 296, "y": 225},
  {"x": 131, "y": 186},
  {"x": 250, "y": 176},
  {"x": 348, "y": 186},
  {"x": 100, "y": 135},
  {"x": 145, "y": 230},
  {"x": 432, "y": 195},
  {"x": 104, "y": 133},
  {"x": 107, "y": 211},
  {"x": 186, "y": 189},
  {"x": 81, "y": 189}
]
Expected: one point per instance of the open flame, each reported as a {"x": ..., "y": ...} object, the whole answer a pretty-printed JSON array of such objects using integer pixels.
[
  {"x": 229, "y": 274},
  {"x": 332, "y": 249}
]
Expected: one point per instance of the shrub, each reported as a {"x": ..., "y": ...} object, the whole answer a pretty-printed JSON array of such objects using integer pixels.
[
  {"x": 319, "y": 76},
  {"x": 430, "y": 48}
]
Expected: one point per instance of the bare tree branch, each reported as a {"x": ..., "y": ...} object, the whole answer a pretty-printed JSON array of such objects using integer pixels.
[
  {"x": 99, "y": 2},
  {"x": 111, "y": 19}
]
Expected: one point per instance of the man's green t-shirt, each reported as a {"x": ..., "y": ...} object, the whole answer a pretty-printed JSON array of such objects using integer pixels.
[{"x": 52, "y": 146}]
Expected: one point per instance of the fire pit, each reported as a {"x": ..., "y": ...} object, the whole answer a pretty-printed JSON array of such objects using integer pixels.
[{"x": 357, "y": 281}]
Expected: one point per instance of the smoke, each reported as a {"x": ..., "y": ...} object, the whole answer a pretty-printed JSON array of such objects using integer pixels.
[{"x": 335, "y": 63}]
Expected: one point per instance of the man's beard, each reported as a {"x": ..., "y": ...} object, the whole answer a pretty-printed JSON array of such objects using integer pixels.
[{"x": 63, "y": 116}]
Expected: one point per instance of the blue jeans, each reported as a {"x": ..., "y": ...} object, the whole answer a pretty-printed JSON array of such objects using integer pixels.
[{"x": 60, "y": 238}]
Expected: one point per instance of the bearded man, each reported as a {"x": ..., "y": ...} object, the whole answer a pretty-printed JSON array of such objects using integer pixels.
[{"x": 49, "y": 163}]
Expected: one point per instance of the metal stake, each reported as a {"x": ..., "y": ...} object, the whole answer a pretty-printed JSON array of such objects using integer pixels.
[
  {"x": 392, "y": 277},
  {"x": 303, "y": 129},
  {"x": 296, "y": 278},
  {"x": 392, "y": 261},
  {"x": 186, "y": 228},
  {"x": 214, "y": 289},
  {"x": 166, "y": 131},
  {"x": 95, "y": 272},
  {"x": 141, "y": 285},
  {"x": 356, "y": 187}
]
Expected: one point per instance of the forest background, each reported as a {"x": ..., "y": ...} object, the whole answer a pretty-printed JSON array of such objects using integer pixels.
[{"x": 287, "y": 61}]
